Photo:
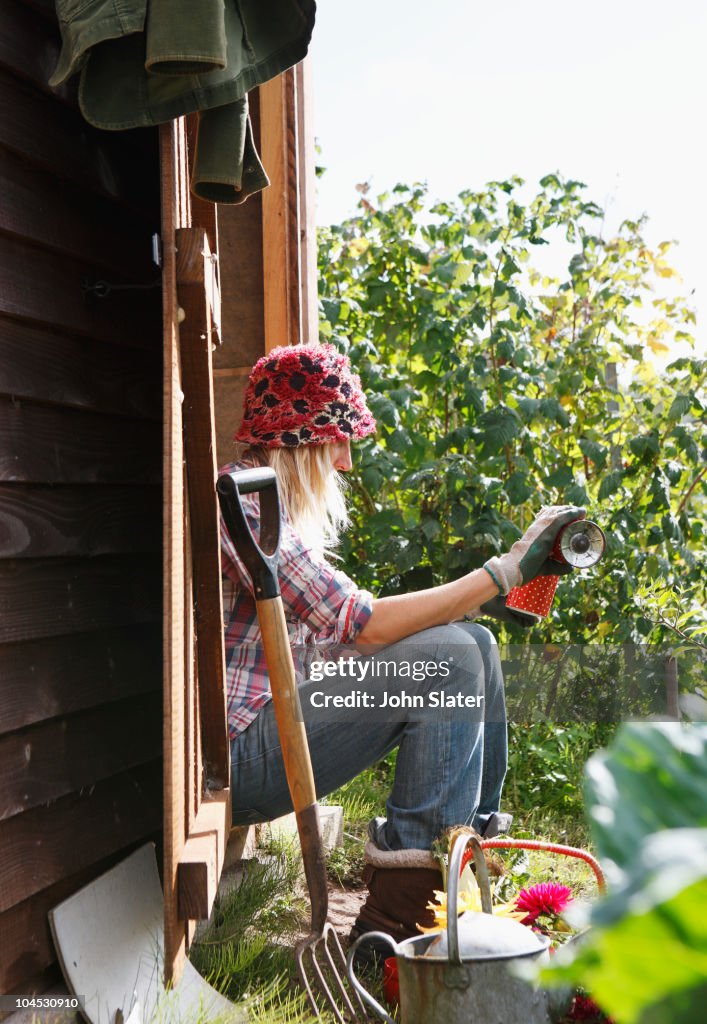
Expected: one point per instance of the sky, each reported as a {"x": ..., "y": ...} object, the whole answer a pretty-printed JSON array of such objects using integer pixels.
[{"x": 457, "y": 93}]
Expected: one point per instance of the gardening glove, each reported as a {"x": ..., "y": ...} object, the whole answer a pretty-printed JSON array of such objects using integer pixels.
[
  {"x": 530, "y": 556},
  {"x": 496, "y": 608}
]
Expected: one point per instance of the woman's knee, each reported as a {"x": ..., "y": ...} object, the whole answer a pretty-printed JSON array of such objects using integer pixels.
[
  {"x": 446, "y": 643},
  {"x": 481, "y": 634}
]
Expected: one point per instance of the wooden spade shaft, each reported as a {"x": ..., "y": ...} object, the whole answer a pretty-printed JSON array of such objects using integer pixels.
[{"x": 295, "y": 752}]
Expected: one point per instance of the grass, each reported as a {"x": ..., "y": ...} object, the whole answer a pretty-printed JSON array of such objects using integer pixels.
[
  {"x": 543, "y": 788},
  {"x": 246, "y": 952},
  {"x": 362, "y": 799}
]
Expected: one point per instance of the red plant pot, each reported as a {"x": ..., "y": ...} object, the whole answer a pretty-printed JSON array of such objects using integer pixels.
[{"x": 391, "y": 983}]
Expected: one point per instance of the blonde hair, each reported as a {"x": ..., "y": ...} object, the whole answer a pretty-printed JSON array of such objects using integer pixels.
[{"x": 312, "y": 491}]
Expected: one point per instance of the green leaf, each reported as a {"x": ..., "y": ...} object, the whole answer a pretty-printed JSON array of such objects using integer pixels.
[
  {"x": 610, "y": 484},
  {"x": 459, "y": 517},
  {"x": 529, "y": 408},
  {"x": 509, "y": 268},
  {"x": 653, "y": 777},
  {"x": 594, "y": 452},
  {"x": 384, "y": 409},
  {"x": 518, "y": 488},
  {"x": 686, "y": 443},
  {"x": 331, "y": 309},
  {"x": 575, "y": 494},
  {"x": 551, "y": 408},
  {"x": 680, "y": 405},
  {"x": 660, "y": 490},
  {"x": 670, "y": 526},
  {"x": 372, "y": 478},
  {"x": 462, "y": 274},
  {"x": 431, "y": 528},
  {"x": 409, "y": 557},
  {"x": 399, "y": 441},
  {"x": 499, "y": 427},
  {"x": 473, "y": 397},
  {"x": 560, "y": 477},
  {"x": 645, "y": 957},
  {"x": 673, "y": 471},
  {"x": 645, "y": 444}
]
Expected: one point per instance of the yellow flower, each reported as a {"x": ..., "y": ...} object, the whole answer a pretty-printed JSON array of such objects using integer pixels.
[{"x": 468, "y": 899}]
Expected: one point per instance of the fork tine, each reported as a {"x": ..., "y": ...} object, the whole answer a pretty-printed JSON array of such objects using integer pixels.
[
  {"x": 341, "y": 975},
  {"x": 305, "y": 950},
  {"x": 334, "y": 971},
  {"x": 321, "y": 975}
]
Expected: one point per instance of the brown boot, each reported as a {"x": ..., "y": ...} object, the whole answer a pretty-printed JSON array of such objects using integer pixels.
[{"x": 400, "y": 885}]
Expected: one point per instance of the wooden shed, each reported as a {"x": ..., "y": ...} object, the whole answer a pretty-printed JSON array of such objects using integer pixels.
[{"x": 100, "y": 558}]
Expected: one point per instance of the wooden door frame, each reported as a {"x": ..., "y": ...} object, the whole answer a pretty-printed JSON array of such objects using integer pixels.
[{"x": 197, "y": 809}]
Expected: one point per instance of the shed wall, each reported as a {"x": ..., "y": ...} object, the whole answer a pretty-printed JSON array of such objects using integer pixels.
[{"x": 80, "y": 496}]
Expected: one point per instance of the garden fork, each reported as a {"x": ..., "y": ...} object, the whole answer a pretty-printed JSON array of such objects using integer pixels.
[{"x": 320, "y": 958}]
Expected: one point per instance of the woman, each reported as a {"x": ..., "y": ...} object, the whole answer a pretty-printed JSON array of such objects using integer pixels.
[{"x": 303, "y": 406}]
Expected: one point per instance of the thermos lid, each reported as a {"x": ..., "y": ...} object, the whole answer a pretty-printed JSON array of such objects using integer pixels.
[{"x": 483, "y": 936}]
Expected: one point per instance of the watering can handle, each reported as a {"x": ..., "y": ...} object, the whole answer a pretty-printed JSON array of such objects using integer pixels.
[
  {"x": 482, "y": 877},
  {"x": 364, "y": 993}
]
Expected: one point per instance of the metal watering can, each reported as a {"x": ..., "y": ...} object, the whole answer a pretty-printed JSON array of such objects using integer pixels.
[{"x": 477, "y": 986}]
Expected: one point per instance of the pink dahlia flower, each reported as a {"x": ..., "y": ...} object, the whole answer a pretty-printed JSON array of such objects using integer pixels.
[{"x": 546, "y": 898}]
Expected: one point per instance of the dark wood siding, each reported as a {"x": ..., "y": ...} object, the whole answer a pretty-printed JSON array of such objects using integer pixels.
[{"x": 80, "y": 495}]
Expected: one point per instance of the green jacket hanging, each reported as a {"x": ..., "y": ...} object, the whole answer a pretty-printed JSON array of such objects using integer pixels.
[{"x": 144, "y": 62}]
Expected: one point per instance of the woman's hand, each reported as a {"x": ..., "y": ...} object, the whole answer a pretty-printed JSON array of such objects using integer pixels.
[
  {"x": 530, "y": 556},
  {"x": 497, "y": 608}
]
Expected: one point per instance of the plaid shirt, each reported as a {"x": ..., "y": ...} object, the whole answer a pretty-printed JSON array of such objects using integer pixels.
[{"x": 323, "y": 609}]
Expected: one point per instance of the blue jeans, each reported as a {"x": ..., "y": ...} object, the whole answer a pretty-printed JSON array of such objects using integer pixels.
[{"x": 450, "y": 766}]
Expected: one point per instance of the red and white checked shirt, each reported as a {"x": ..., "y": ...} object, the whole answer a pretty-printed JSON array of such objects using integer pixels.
[{"x": 323, "y": 609}]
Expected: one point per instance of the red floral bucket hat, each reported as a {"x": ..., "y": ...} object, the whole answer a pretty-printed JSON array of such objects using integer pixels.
[{"x": 303, "y": 394}]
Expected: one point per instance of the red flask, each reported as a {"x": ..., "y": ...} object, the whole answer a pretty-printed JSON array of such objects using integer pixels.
[{"x": 580, "y": 544}]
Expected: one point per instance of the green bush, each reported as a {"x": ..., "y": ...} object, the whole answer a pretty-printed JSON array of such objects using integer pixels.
[{"x": 498, "y": 390}]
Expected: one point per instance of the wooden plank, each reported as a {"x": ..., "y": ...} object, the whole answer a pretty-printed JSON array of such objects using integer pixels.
[
  {"x": 193, "y": 266},
  {"x": 240, "y": 241},
  {"x": 306, "y": 157},
  {"x": 59, "y": 596},
  {"x": 51, "y": 445},
  {"x": 44, "y": 288},
  {"x": 203, "y": 214},
  {"x": 56, "y": 676},
  {"x": 45, "y": 8},
  {"x": 233, "y": 371},
  {"x": 53, "y": 136},
  {"x": 37, "y": 847},
  {"x": 37, "y": 521},
  {"x": 66, "y": 219},
  {"x": 281, "y": 305},
  {"x": 173, "y": 170},
  {"x": 242, "y": 298},
  {"x": 228, "y": 396},
  {"x": 292, "y": 171},
  {"x": 197, "y": 878},
  {"x": 52, "y": 759},
  {"x": 27, "y": 947},
  {"x": 29, "y": 46},
  {"x": 202, "y": 859},
  {"x": 192, "y": 759},
  {"x": 38, "y": 363},
  {"x": 44, "y": 981}
]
